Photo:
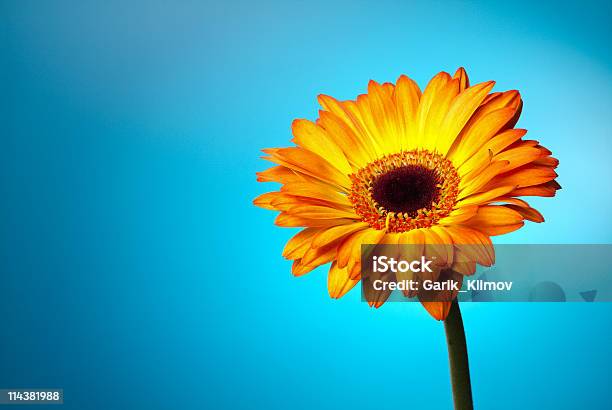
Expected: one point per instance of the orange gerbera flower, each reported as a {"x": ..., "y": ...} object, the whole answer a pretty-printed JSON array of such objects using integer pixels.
[{"x": 397, "y": 166}]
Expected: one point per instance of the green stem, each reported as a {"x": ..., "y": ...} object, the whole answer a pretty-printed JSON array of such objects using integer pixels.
[{"x": 458, "y": 358}]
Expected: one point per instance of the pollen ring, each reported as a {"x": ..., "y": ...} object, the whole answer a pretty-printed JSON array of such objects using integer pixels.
[{"x": 404, "y": 191}]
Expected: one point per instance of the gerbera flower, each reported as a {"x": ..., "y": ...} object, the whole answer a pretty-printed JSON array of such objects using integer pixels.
[{"x": 396, "y": 166}]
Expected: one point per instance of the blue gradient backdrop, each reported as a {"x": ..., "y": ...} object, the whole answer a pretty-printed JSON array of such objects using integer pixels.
[{"x": 137, "y": 274}]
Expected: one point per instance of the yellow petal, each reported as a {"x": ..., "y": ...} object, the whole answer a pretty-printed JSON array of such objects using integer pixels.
[
  {"x": 479, "y": 133},
  {"x": 314, "y": 138},
  {"x": 381, "y": 118},
  {"x": 434, "y": 139},
  {"x": 406, "y": 96},
  {"x": 341, "y": 120},
  {"x": 460, "y": 111},
  {"x": 426, "y": 103}
]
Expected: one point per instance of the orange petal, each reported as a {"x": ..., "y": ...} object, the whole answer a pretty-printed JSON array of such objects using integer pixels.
[
  {"x": 547, "y": 189},
  {"x": 310, "y": 164},
  {"x": 355, "y": 272},
  {"x": 292, "y": 221},
  {"x": 282, "y": 201},
  {"x": 375, "y": 298},
  {"x": 508, "y": 200},
  {"x": 504, "y": 99},
  {"x": 280, "y": 174},
  {"x": 494, "y": 230},
  {"x": 339, "y": 281},
  {"x": 265, "y": 200},
  {"x": 337, "y": 232},
  {"x": 349, "y": 251},
  {"x": 297, "y": 246},
  {"x": 461, "y": 75},
  {"x": 495, "y": 220},
  {"x": 461, "y": 214},
  {"x": 320, "y": 212},
  {"x": 520, "y": 155},
  {"x": 528, "y": 175},
  {"x": 504, "y": 139},
  {"x": 474, "y": 245},
  {"x": 528, "y": 213},
  {"x": 495, "y": 215},
  {"x": 547, "y": 162},
  {"x": 436, "y": 245},
  {"x": 438, "y": 310},
  {"x": 299, "y": 269},
  {"x": 320, "y": 256},
  {"x": 494, "y": 146},
  {"x": 485, "y": 197},
  {"x": 318, "y": 191}
]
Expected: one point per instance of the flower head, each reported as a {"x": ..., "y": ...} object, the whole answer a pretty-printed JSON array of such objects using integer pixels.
[{"x": 397, "y": 166}]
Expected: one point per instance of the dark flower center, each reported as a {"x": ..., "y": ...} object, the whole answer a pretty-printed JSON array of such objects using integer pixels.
[{"x": 406, "y": 189}]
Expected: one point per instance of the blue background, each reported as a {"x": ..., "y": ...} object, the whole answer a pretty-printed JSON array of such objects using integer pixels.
[{"x": 137, "y": 274}]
